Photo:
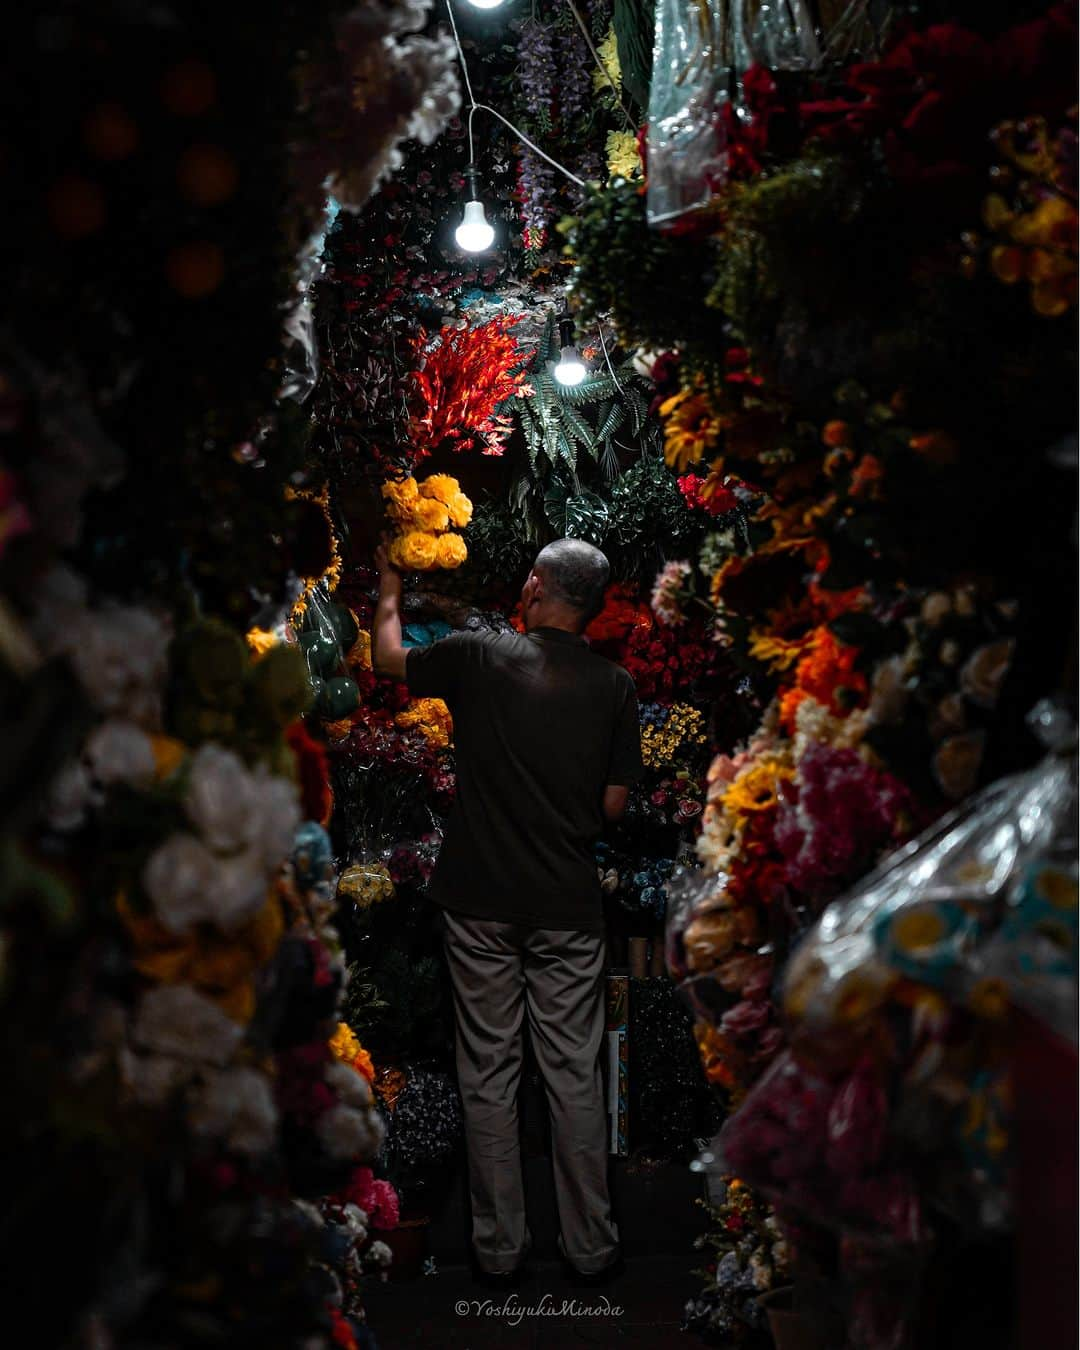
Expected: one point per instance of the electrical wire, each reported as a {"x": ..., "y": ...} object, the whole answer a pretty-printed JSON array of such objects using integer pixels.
[
  {"x": 611, "y": 368},
  {"x": 602, "y": 67},
  {"x": 475, "y": 107}
]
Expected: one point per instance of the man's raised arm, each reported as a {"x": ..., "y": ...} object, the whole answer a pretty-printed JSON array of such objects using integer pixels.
[{"x": 387, "y": 653}]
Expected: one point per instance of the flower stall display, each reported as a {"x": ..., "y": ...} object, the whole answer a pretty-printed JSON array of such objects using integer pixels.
[
  {"x": 428, "y": 516},
  {"x": 748, "y": 1258},
  {"x": 868, "y": 419}
]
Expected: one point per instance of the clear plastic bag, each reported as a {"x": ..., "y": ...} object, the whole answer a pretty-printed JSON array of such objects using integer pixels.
[
  {"x": 701, "y": 50},
  {"x": 327, "y": 633},
  {"x": 780, "y": 34},
  {"x": 687, "y": 146},
  {"x": 929, "y": 911}
]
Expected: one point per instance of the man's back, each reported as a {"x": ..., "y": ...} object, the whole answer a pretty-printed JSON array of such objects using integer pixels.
[{"x": 541, "y": 726}]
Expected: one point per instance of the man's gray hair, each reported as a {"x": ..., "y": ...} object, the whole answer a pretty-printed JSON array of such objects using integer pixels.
[{"x": 576, "y": 573}]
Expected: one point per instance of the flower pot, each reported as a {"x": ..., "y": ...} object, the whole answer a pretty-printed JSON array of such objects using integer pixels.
[
  {"x": 409, "y": 1244},
  {"x": 789, "y": 1329}
]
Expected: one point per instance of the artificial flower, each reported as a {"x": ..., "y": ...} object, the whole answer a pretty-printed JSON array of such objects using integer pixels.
[
  {"x": 345, "y": 1132},
  {"x": 450, "y": 551},
  {"x": 755, "y": 788},
  {"x": 443, "y": 487},
  {"x": 177, "y": 1020},
  {"x": 431, "y": 717},
  {"x": 669, "y": 591},
  {"x": 691, "y": 426},
  {"x": 401, "y": 496},
  {"x": 236, "y": 1107},
  {"x": 428, "y": 514},
  {"x": 623, "y": 156},
  {"x": 461, "y": 510},
  {"x": 414, "y": 551}
]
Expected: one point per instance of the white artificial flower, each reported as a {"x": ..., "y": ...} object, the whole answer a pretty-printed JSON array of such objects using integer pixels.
[
  {"x": 356, "y": 1220},
  {"x": 177, "y": 1020},
  {"x": 221, "y": 799},
  {"x": 350, "y": 1086},
  {"x": 235, "y": 1106},
  {"x": 71, "y": 793},
  {"x": 379, "y": 1253},
  {"x": 152, "y": 1079},
  {"x": 346, "y": 1133},
  {"x": 181, "y": 877},
  {"x": 239, "y": 890},
  {"x": 119, "y": 652},
  {"x": 120, "y": 752},
  {"x": 277, "y": 817}
]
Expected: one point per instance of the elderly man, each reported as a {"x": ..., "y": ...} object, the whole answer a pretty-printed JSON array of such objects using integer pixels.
[{"x": 547, "y": 742}]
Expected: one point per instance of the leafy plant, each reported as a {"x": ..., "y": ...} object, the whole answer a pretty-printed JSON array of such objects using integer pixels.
[
  {"x": 651, "y": 285},
  {"x": 561, "y": 423}
]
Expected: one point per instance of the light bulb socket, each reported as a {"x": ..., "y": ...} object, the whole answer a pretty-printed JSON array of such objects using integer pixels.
[
  {"x": 471, "y": 180},
  {"x": 566, "y": 332}
]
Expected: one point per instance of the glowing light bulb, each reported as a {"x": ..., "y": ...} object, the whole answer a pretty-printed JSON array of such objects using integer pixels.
[
  {"x": 571, "y": 369},
  {"x": 474, "y": 234},
  {"x": 485, "y": 4}
]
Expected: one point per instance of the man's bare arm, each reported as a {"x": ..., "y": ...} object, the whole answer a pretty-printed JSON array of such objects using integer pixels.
[{"x": 387, "y": 652}]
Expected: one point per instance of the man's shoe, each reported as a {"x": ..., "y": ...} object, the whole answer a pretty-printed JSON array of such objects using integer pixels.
[
  {"x": 595, "y": 1279},
  {"x": 497, "y": 1280}
]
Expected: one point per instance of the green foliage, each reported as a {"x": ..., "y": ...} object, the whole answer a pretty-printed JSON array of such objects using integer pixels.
[
  {"x": 650, "y": 284},
  {"x": 562, "y": 423},
  {"x": 649, "y": 516},
  {"x": 633, "y": 23},
  {"x": 498, "y": 552}
]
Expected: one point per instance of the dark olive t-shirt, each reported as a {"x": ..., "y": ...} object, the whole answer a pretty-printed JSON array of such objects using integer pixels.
[{"x": 542, "y": 725}]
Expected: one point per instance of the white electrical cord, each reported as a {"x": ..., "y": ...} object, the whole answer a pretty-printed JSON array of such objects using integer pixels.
[
  {"x": 602, "y": 67},
  {"x": 475, "y": 107}
]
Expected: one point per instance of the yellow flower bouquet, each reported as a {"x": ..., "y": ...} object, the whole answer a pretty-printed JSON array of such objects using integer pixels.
[{"x": 427, "y": 515}]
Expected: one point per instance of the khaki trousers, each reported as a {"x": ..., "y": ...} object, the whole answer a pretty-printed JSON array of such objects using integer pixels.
[{"x": 502, "y": 972}]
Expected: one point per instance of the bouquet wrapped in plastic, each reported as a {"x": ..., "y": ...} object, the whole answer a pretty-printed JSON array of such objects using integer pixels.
[
  {"x": 895, "y": 1092},
  {"x": 701, "y": 50},
  {"x": 328, "y": 632}
]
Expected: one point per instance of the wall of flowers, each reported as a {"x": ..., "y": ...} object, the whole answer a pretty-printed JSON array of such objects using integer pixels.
[
  {"x": 191, "y": 1135},
  {"x": 826, "y": 439}
]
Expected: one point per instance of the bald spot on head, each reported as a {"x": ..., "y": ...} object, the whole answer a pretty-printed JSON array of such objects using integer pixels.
[{"x": 576, "y": 574}]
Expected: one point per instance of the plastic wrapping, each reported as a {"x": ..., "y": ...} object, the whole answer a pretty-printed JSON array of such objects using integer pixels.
[
  {"x": 928, "y": 913},
  {"x": 780, "y": 34},
  {"x": 701, "y": 50},
  {"x": 687, "y": 147},
  {"x": 327, "y": 634},
  {"x": 895, "y": 1094}
]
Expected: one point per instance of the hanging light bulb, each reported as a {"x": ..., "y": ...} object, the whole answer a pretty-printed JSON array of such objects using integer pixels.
[
  {"x": 485, "y": 4},
  {"x": 570, "y": 369},
  {"x": 474, "y": 234}
]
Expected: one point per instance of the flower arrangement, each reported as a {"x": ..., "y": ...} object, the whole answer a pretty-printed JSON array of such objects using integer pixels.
[
  {"x": 348, "y": 1049},
  {"x": 749, "y": 1256},
  {"x": 427, "y": 516},
  {"x": 462, "y": 382},
  {"x": 431, "y": 717}
]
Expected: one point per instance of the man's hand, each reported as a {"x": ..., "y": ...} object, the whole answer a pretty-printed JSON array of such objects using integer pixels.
[
  {"x": 389, "y": 576},
  {"x": 387, "y": 653}
]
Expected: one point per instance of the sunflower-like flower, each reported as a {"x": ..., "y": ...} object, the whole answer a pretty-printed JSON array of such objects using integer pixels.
[
  {"x": 756, "y": 788},
  {"x": 691, "y": 426}
]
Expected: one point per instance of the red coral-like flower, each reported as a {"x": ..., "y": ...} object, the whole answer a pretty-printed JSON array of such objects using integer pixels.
[{"x": 461, "y": 383}]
